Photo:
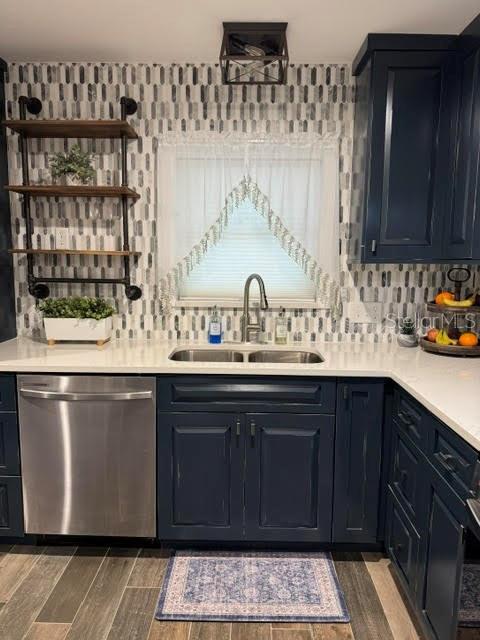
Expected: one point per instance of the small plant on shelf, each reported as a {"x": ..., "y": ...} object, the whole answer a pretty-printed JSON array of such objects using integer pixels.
[
  {"x": 78, "y": 318},
  {"x": 408, "y": 333},
  {"x": 75, "y": 165}
]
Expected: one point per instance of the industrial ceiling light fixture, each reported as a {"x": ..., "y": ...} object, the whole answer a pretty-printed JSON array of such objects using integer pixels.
[{"x": 254, "y": 53}]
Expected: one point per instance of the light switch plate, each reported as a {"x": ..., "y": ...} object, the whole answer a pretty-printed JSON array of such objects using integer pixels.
[
  {"x": 62, "y": 238},
  {"x": 365, "y": 312}
]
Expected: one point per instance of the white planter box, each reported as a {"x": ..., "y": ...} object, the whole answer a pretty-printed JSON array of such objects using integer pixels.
[{"x": 78, "y": 330}]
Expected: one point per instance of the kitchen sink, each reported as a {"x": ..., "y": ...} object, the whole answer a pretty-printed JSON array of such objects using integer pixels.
[
  {"x": 282, "y": 356},
  {"x": 206, "y": 355},
  {"x": 286, "y": 357}
]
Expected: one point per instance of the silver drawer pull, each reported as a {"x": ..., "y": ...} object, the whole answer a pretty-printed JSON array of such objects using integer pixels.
[
  {"x": 61, "y": 395},
  {"x": 450, "y": 462}
]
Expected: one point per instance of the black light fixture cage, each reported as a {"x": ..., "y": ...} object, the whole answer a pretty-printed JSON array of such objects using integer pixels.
[{"x": 254, "y": 53}]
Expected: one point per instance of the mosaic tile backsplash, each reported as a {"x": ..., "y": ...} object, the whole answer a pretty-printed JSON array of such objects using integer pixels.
[{"x": 316, "y": 99}]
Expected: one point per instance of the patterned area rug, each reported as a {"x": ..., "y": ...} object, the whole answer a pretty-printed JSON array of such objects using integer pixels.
[
  {"x": 469, "y": 614},
  {"x": 251, "y": 586}
]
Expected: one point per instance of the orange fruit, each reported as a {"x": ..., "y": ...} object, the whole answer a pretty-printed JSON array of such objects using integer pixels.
[
  {"x": 440, "y": 297},
  {"x": 432, "y": 335},
  {"x": 468, "y": 339}
]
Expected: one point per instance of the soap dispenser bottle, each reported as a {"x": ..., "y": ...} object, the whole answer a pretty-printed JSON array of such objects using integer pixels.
[
  {"x": 281, "y": 328},
  {"x": 215, "y": 328}
]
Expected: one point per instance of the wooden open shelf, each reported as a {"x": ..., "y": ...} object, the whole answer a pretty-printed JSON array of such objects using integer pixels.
[
  {"x": 72, "y": 128},
  {"x": 75, "y": 252},
  {"x": 73, "y": 191}
]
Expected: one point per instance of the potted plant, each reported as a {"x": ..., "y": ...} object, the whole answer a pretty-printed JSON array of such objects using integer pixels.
[
  {"x": 75, "y": 166},
  {"x": 408, "y": 334},
  {"x": 78, "y": 318}
]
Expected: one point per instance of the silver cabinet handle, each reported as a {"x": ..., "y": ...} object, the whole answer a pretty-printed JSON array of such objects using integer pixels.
[
  {"x": 473, "y": 506},
  {"x": 61, "y": 395},
  {"x": 252, "y": 433}
]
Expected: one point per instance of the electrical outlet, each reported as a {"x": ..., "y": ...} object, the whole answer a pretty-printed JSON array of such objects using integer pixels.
[
  {"x": 365, "y": 312},
  {"x": 62, "y": 238}
]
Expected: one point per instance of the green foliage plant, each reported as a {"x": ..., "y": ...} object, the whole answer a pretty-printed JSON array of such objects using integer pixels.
[
  {"x": 76, "y": 307},
  {"x": 76, "y": 163}
]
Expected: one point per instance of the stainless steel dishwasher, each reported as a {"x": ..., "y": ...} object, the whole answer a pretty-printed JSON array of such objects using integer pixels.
[{"x": 88, "y": 454}]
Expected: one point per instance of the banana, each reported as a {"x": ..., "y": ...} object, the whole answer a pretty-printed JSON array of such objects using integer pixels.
[
  {"x": 468, "y": 302},
  {"x": 442, "y": 338}
]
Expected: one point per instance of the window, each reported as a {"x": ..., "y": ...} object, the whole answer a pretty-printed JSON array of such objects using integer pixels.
[
  {"x": 247, "y": 246},
  {"x": 230, "y": 206}
]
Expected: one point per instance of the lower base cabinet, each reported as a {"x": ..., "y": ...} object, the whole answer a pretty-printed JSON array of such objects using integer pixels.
[
  {"x": 358, "y": 460},
  {"x": 252, "y": 477},
  {"x": 403, "y": 545},
  {"x": 288, "y": 477},
  {"x": 426, "y": 517},
  {"x": 443, "y": 552},
  {"x": 11, "y": 508},
  {"x": 200, "y": 476}
]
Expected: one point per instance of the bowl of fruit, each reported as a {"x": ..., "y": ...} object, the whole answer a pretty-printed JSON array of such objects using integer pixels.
[{"x": 451, "y": 342}]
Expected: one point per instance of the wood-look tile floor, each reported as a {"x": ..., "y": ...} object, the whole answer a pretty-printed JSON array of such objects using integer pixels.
[{"x": 89, "y": 593}]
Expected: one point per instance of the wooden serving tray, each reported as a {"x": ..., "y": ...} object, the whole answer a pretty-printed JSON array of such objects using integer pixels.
[
  {"x": 450, "y": 349},
  {"x": 443, "y": 308}
]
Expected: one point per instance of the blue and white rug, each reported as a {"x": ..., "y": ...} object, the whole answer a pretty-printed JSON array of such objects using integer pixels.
[
  {"x": 469, "y": 614},
  {"x": 251, "y": 586}
]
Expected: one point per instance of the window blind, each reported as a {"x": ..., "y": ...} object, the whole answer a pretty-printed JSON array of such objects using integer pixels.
[{"x": 247, "y": 246}]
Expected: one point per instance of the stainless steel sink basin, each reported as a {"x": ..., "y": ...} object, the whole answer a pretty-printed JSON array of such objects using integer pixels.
[
  {"x": 206, "y": 355},
  {"x": 285, "y": 357}
]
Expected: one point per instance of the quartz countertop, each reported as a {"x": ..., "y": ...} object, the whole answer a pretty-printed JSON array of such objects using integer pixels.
[{"x": 448, "y": 387}]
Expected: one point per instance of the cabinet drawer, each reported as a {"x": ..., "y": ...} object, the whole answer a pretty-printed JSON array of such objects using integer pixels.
[
  {"x": 452, "y": 457},
  {"x": 406, "y": 475},
  {"x": 11, "y": 509},
  {"x": 200, "y": 393},
  {"x": 403, "y": 543},
  {"x": 7, "y": 393},
  {"x": 411, "y": 418}
]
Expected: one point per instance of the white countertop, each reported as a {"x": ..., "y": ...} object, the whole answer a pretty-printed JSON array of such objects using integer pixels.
[{"x": 448, "y": 387}]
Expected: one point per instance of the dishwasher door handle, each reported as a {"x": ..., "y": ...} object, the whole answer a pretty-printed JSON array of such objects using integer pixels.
[{"x": 104, "y": 397}]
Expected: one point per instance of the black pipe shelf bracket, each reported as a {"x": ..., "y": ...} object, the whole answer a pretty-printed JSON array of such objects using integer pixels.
[{"x": 38, "y": 286}]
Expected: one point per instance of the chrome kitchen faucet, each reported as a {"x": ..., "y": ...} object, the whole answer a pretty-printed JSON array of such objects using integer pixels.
[{"x": 247, "y": 325}]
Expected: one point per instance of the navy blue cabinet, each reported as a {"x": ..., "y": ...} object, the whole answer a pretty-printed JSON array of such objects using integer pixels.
[
  {"x": 443, "y": 552},
  {"x": 358, "y": 459},
  {"x": 431, "y": 475},
  {"x": 404, "y": 135},
  {"x": 200, "y": 476},
  {"x": 402, "y": 543},
  {"x": 289, "y": 470},
  {"x": 11, "y": 508},
  {"x": 462, "y": 232},
  {"x": 9, "y": 449}
]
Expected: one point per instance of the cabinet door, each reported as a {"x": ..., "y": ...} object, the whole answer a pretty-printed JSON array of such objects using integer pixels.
[
  {"x": 460, "y": 239},
  {"x": 411, "y": 167},
  {"x": 11, "y": 509},
  {"x": 200, "y": 476},
  {"x": 289, "y": 477},
  {"x": 358, "y": 457},
  {"x": 403, "y": 546},
  {"x": 407, "y": 471},
  {"x": 9, "y": 447},
  {"x": 444, "y": 552}
]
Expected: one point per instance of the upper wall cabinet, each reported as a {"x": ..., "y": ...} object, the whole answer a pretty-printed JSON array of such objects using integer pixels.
[
  {"x": 404, "y": 134},
  {"x": 462, "y": 231}
]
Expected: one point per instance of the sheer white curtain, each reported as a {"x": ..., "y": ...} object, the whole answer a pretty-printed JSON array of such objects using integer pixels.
[{"x": 293, "y": 183}]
